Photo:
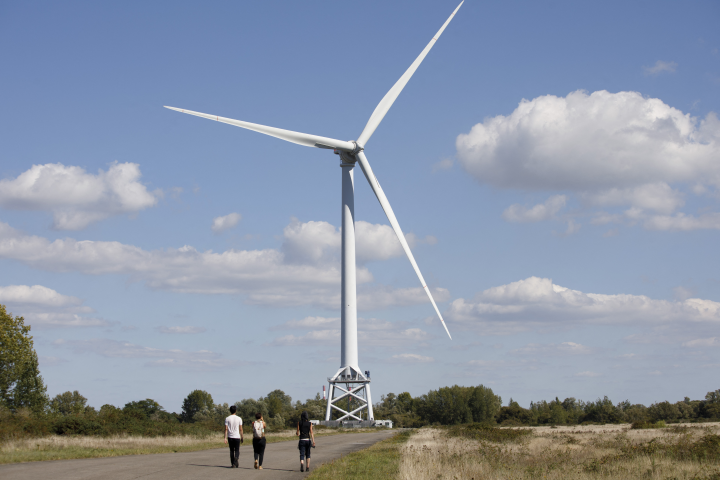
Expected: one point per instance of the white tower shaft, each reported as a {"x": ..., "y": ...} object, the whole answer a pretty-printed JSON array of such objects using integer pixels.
[{"x": 348, "y": 295}]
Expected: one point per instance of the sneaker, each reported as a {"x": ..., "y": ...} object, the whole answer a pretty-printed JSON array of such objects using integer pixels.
[
  {"x": 256, "y": 464},
  {"x": 302, "y": 467},
  {"x": 260, "y": 467},
  {"x": 307, "y": 469}
]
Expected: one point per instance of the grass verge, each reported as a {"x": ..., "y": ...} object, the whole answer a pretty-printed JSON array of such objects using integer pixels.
[
  {"x": 62, "y": 447},
  {"x": 381, "y": 460}
]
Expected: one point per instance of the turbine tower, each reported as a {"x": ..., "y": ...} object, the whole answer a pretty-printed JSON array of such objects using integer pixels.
[{"x": 356, "y": 382}]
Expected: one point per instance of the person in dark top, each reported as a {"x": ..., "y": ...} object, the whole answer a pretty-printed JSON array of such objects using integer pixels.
[{"x": 305, "y": 431}]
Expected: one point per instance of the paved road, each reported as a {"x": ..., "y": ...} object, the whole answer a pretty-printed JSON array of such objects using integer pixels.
[{"x": 282, "y": 461}]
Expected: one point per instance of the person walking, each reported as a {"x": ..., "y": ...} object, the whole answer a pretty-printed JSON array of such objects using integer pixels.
[
  {"x": 233, "y": 436},
  {"x": 305, "y": 431},
  {"x": 259, "y": 441}
]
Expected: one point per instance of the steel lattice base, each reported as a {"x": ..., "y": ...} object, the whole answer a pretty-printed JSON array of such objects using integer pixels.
[{"x": 357, "y": 386}]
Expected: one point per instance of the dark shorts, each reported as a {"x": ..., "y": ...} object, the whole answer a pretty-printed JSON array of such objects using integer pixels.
[{"x": 304, "y": 447}]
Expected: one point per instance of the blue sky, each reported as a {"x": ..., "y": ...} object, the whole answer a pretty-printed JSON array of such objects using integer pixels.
[{"x": 557, "y": 164}]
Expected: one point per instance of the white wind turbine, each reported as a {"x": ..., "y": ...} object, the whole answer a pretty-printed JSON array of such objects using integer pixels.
[{"x": 351, "y": 152}]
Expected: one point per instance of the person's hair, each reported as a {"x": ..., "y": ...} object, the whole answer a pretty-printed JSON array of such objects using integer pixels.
[
  {"x": 233, "y": 409},
  {"x": 304, "y": 417},
  {"x": 258, "y": 415}
]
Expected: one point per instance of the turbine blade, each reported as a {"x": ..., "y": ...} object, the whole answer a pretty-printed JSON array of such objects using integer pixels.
[
  {"x": 287, "y": 135},
  {"x": 375, "y": 185},
  {"x": 394, "y": 92}
]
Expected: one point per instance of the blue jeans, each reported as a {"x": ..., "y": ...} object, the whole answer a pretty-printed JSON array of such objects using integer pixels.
[{"x": 304, "y": 446}]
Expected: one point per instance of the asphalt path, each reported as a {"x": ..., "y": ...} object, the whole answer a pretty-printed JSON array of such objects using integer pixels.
[{"x": 282, "y": 461}]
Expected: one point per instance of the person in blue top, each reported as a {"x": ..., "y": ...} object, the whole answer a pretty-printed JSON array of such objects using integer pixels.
[{"x": 305, "y": 431}]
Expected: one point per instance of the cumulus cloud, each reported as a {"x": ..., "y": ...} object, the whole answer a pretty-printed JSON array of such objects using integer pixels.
[
  {"x": 77, "y": 198},
  {"x": 371, "y": 332},
  {"x": 43, "y": 307},
  {"x": 319, "y": 242},
  {"x": 565, "y": 348},
  {"x": 298, "y": 274},
  {"x": 202, "y": 360},
  {"x": 220, "y": 224},
  {"x": 661, "y": 66},
  {"x": 411, "y": 358},
  {"x": 541, "y": 211},
  {"x": 181, "y": 330},
  {"x": 608, "y": 149},
  {"x": 703, "y": 342},
  {"x": 36, "y": 295},
  {"x": 538, "y": 303}
]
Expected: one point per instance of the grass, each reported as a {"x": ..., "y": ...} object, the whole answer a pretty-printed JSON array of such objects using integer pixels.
[
  {"x": 381, "y": 460},
  {"x": 62, "y": 447},
  {"x": 583, "y": 453}
]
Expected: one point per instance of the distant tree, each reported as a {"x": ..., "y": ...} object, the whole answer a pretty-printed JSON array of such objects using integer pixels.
[
  {"x": 663, "y": 411},
  {"x": 484, "y": 404},
  {"x": 278, "y": 403},
  {"x": 20, "y": 382},
  {"x": 514, "y": 415},
  {"x": 196, "y": 401},
  {"x": 147, "y": 407},
  {"x": 248, "y": 407},
  {"x": 713, "y": 397},
  {"x": 68, "y": 403},
  {"x": 602, "y": 411},
  {"x": 404, "y": 402}
]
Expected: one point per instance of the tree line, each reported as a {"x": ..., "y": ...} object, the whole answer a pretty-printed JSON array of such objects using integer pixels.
[{"x": 27, "y": 410}]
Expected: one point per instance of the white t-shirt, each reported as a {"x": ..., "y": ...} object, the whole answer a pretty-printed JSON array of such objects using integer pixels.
[{"x": 233, "y": 424}]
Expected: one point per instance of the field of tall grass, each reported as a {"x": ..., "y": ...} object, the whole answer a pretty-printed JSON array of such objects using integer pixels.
[{"x": 685, "y": 451}]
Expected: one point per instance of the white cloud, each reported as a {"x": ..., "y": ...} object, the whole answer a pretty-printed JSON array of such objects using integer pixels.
[
  {"x": 371, "y": 332},
  {"x": 538, "y": 303},
  {"x": 608, "y": 149},
  {"x": 77, "y": 198},
  {"x": 541, "y": 211},
  {"x": 703, "y": 342},
  {"x": 411, "y": 358},
  {"x": 198, "y": 360},
  {"x": 659, "y": 197},
  {"x": 220, "y": 224},
  {"x": 680, "y": 222},
  {"x": 319, "y": 242},
  {"x": 300, "y": 274},
  {"x": 659, "y": 67},
  {"x": 43, "y": 307},
  {"x": 565, "y": 348},
  {"x": 36, "y": 295},
  {"x": 444, "y": 164},
  {"x": 181, "y": 330}
]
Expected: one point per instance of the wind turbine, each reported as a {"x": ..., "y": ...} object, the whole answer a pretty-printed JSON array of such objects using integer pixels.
[{"x": 351, "y": 152}]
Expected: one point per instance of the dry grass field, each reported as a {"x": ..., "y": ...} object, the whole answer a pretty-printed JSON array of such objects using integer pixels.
[
  {"x": 689, "y": 451},
  {"x": 57, "y": 447}
]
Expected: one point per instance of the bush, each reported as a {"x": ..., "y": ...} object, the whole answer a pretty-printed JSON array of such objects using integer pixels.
[
  {"x": 77, "y": 426},
  {"x": 642, "y": 425},
  {"x": 487, "y": 433}
]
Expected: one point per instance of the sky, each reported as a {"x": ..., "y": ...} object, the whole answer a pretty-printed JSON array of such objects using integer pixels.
[{"x": 554, "y": 165}]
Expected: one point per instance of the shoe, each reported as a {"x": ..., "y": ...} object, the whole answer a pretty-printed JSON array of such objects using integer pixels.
[
  {"x": 260, "y": 467},
  {"x": 307, "y": 469},
  {"x": 302, "y": 467},
  {"x": 256, "y": 464}
]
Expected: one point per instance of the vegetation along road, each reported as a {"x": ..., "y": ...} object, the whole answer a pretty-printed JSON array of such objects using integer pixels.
[{"x": 282, "y": 461}]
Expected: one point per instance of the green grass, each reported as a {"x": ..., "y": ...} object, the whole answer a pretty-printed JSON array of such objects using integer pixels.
[{"x": 381, "y": 460}]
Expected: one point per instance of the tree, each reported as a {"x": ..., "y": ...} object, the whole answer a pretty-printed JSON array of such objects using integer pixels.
[
  {"x": 196, "y": 401},
  {"x": 277, "y": 402},
  {"x": 147, "y": 407},
  {"x": 20, "y": 382},
  {"x": 68, "y": 403}
]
